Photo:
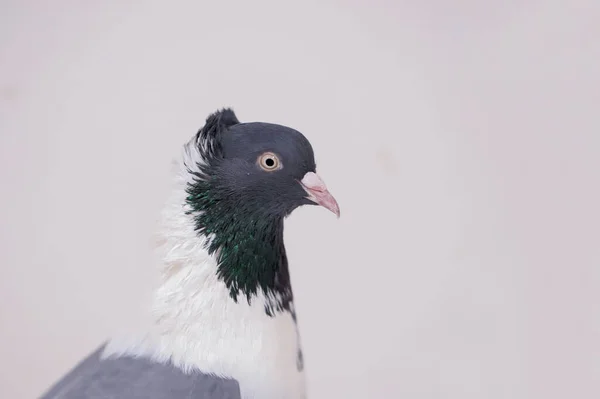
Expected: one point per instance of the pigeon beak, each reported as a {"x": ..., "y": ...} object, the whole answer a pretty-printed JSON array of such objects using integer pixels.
[{"x": 318, "y": 193}]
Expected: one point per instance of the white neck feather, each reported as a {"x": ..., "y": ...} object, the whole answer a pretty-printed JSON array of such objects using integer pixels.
[{"x": 195, "y": 323}]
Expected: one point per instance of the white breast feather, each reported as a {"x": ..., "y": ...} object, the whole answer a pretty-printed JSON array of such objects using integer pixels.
[{"x": 196, "y": 324}]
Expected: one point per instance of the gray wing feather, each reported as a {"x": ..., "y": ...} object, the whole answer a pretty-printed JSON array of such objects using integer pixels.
[{"x": 137, "y": 378}]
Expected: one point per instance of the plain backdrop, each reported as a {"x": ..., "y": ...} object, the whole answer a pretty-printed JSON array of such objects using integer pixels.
[{"x": 461, "y": 139}]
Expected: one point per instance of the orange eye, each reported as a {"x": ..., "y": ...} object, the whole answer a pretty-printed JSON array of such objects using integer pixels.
[{"x": 269, "y": 162}]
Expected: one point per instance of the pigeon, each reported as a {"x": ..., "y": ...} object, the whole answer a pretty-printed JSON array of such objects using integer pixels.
[{"x": 222, "y": 319}]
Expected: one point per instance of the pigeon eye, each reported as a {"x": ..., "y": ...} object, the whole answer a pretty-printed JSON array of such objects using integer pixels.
[{"x": 269, "y": 162}]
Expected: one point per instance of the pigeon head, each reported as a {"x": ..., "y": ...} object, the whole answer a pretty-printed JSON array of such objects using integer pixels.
[
  {"x": 246, "y": 178},
  {"x": 261, "y": 168}
]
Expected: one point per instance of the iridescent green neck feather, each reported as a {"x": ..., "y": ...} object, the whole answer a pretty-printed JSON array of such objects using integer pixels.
[{"x": 247, "y": 241}]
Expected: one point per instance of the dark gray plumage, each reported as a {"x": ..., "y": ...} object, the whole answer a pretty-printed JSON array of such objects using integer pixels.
[{"x": 137, "y": 378}]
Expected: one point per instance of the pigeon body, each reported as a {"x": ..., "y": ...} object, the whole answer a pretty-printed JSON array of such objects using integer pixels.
[{"x": 223, "y": 317}]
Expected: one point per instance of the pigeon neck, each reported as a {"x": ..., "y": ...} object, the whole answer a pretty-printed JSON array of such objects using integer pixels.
[
  {"x": 248, "y": 246},
  {"x": 198, "y": 322}
]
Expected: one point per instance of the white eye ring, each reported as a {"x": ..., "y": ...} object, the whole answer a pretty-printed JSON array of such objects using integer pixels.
[{"x": 269, "y": 162}]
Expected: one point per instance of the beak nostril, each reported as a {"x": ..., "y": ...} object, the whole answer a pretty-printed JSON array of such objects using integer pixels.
[{"x": 313, "y": 181}]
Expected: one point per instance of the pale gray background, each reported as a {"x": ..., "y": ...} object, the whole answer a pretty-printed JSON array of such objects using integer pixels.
[{"x": 461, "y": 139}]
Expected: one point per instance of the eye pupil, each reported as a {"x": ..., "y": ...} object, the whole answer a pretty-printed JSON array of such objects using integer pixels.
[{"x": 270, "y": 162}]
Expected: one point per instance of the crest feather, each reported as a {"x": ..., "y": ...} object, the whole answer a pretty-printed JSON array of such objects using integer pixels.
[{"x": 208, "y": 137}]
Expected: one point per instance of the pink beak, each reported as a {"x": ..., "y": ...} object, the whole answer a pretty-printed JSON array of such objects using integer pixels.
[{"x": 318, "y": 193}]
